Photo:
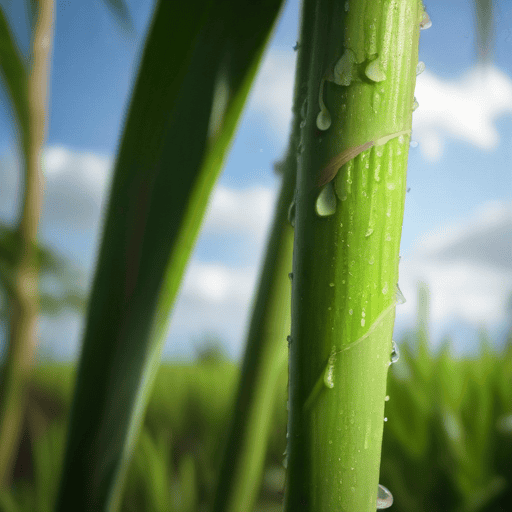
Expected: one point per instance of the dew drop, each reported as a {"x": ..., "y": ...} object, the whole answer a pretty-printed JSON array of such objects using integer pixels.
[
  {"x": 363, "y": 321},
  {"x": 369, "y": 231},
  {"x": 346, "y": 6},
  {"x": 304, "y": 109},
  {"x": 374, "y": 72},
  {"x": 425, "y": 22},
  {"x": 291, "y": 213},
  {"x": 371, "y": 261},
  {"x": 420, "y": 67},
  {"x": 329, "y": 370},
  {"x": 331, "y": 284},
  {"x": 385, "y": 288},
  {"x": 326, "y": 201},
  {"x": 385, "y": 419},
  {"x": 290, "y": 275},
  {"x": 395, "y": 353},
  {"x": 386, "y": 398},
  {"x": 350, "y": 311},
  {"x": 400, "y": 299},
  {"x": 323, "y": 120},
  {"x": 391, "y": 186},
  {"x": 344, "y": 68},
  {"x": 413, "y": 144},
  {"x": 384, "y": 498},
  {"x": 415, "y": 104},
  {"x": 289, "y": 340},
  {"x": 303, "y": 123}
]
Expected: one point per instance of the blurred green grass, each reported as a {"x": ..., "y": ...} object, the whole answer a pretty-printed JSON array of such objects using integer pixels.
[{"x": 447, "y": 442}]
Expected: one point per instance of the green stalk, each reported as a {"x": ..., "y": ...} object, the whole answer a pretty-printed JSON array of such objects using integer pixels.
[
  {"x": 266, "y": 349},
  {"x": 264, "y": 362},
  {"x": 32, "y": 117},
  {"x": 347, "y": 240}
]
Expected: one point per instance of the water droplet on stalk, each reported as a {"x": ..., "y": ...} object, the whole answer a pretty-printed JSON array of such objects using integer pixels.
[
  {"x": 326, "y": 201},
  {"x": 304, "y": 109},
  {"x": 290, "y": 275},
  {"x": 329, "y": 370},
  {"x": 425, "y": 22},
  {"x": 413, "y": 144},
  {"x": 395, "y": 354},
  {"x": 384, "y": 498},
  {"x": 400, "y": 299},
  {"x": 291, "y": 213},
  {"x": 347, "y": 6},
  {"x": 386, "y": 398},
  {"x": 344, "y": 68},
  {"x": 323, "y": 120},
  {"x": 415, "y": 104},
  {"x": 374, "y": 72},
  {"x": 420, "y": 67}
]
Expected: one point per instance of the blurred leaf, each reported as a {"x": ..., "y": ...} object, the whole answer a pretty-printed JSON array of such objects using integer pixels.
[
  {"x": 168, "y": 162},
  {"x": 484, "y": 28},
  {"x": 14, "y": 74}
]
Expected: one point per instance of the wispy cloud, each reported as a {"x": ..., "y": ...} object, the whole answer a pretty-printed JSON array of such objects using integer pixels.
[
  {"x": 467, "y": 266},
  {"x": 273, "y": 91},
  {"x": 466, "y": 109}
]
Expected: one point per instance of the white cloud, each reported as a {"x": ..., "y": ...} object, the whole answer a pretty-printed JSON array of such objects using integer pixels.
[
  {"x": 466, "y": 108},
  {"x": 247, "y": 212},
  {"x": 273, "y": 90},
  {"x": 76, "y": 186},
  {"x": 217, "y": 283},
  {"x": 467, "y": 267}
]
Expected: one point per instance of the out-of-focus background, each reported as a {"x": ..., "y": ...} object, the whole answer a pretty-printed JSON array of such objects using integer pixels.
[
  {"x": 457, "y": 233},
  {"x": 448, "y": 442}
]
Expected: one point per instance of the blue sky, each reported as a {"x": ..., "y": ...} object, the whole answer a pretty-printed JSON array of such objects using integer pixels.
[{"x": 457, "y": 233}]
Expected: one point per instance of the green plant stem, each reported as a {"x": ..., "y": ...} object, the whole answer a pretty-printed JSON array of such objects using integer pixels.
[
  {"x": 24, "y": 299},
  {"x": 264, "y": 362},
  {"x": 346, "y": 261},
  {"x": 266, "y": 349}
]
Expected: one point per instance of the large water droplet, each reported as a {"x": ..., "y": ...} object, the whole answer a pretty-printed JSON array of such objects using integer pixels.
[
  {"x": 425, "y": 22},
  {"x": 290, "y": 275},
  {"x": 369, "y": 231},
  {"x": 420, "y": 67},
  {"x": 400, "y": 299},
  {"x": 384, "y": 498},
  {"x": 413, "y": 144},
  {"x": 395, "y": 353},
  {"x": 323, "y": 120},
  {"x": 326, "y": 201},
  {"x": 374, "y": 72},
  {"x": 344, "y": 68},
  {"x": 415, "y": 104}
]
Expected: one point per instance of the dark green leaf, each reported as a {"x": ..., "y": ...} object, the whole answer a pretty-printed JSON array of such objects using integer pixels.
[{"x": 168, "y": 162}]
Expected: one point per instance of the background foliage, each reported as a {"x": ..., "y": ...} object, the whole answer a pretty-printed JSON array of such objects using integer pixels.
[{"x": 447, "y": 442}]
